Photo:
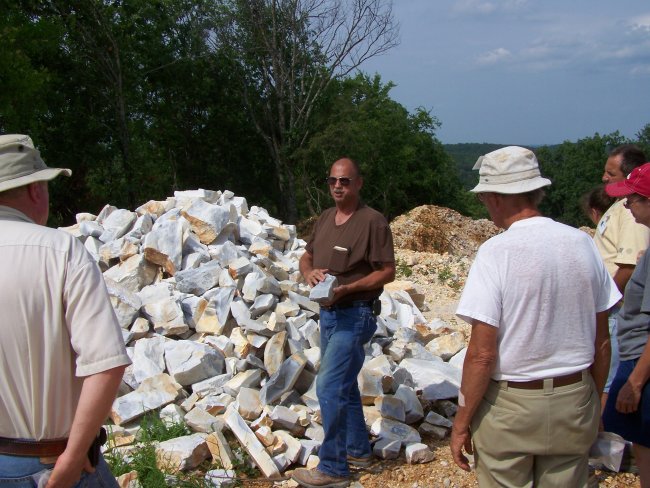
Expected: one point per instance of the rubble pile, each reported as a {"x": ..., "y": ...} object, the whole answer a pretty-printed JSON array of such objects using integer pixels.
[{"x": 224, "y": 337}]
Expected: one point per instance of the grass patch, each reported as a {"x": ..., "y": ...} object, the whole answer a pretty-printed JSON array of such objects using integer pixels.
[{"x": 402, "y": 269}]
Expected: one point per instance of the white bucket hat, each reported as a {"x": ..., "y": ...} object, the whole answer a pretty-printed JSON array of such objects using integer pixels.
[
  {"x": 509, "y": 170},
  {"x": 21, "y": 163}
]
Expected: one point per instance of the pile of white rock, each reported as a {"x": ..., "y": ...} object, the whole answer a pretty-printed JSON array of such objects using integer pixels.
[{"x": 224, "y": 337}]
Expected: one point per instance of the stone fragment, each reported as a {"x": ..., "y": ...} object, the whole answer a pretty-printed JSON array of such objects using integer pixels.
[
  {"x": 164, "y": 245},
  {"x": 412, "y": 406},
  {"x": 215, "y": 404},
  {"x": 303, "y": 302},
  {"x": 323, "y": 292},
  {"x": 148, "y": 358},
  {"x": 434, "y": 431},
  {"x": 248, "y": 402},
  {"x": 133, "y": 274},
  {"x": 182, "y": 453},
  {"x": 221, "y": 478},
  {"x": 166, "y": 316},
  {"x": 274, "y": 352},
  {"x": 283, "y": 379},
  {"x": 220, "y": 449},
  {"x": 207, "y": 221},
  {"x": 418, "y": 453},
  {"x": 285, "y": 418},
  {"x": 172, "y": 414},
  {"x": 387, "y": 448},
  {"x": 117, "y": 224},
  {"x": 193, "y": 308},
  {"x": 391, "y": 407},
  {"x": 189, "y": 362},
  {"x": 153, "y": 393},
  {"x": 391, "y": 429},
  {"x": 217, "y": 311},
  {"x": 248, "y": 440},
  {"x": 437, "y": 419},
  {"x": 199, "y": 420},
  {"x": 447, "y": 345},
  {"x": 370, "y": 386},
  {"x": 198, "y": 280},
  {"x": 213, "y": 385},
  {"x": 458, "y": 359},
  {"x": 239, "y": 267},
  {"x": 265, "y": 436},
  {"x": 437, "y": 380},
  {"x": 245, "y": 379},
  {"x": 293, "y": 445}
]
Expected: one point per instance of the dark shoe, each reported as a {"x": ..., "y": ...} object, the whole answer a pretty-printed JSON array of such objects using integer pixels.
[
  {"x": 312, "y": 478},
  {"x": 362, "y": 462}
]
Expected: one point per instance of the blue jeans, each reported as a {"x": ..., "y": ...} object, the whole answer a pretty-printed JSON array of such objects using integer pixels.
[
  {"x": 16, "y": 471},
  {"x": 343, "y": 333}
]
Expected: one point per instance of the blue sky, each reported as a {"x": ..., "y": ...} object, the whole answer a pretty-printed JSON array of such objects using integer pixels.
[{"x": 522, "y": 71}]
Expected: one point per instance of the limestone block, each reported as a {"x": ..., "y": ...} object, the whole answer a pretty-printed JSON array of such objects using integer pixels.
[
  {"x": 154, "y": 208},
  {"x": 200, "y": 420},
  {"x": 182, "y": 453},
  {"x": 418, "y": 453},
  {"x": 190, "y": 362},
  {"x": 240, "y": 311},
  {"x": 261, "y": 247},
  {"x": 309, "y": 447},
  {"x": 315, "y": 432},
  {"x": 221, "y": 343},
  {"x": 90, "y": 228},
  {"x": 198, "y": 280},
  {"x": 216, "y": 314},
  {"x": 409, "y": 287},
  {"x": 412, "y": 406},
  {"x": 249, "y": 230},
  {"x": 248, "y": 403},
  {"x": 323, "y": 292},
  {"x": 142, "y": 225},
  {"x": 447, "y": 345},
  {"x": 172, "y": 414},
  {"x": 148, "y": 358},
  {"x": 193, "y": 308},
  {"x": 215, "y": 403},
  {"x": 276, "y": 322},
  {"x": 392, "y": 429},
  {"x": 140, "y": 328},
  {"x": 133, "y": 274},
  {"x": 402, "y": 376},
  {"x": 164, "y": 244},
  {"x": 437, "y": 419},
  {"x": 220, "y": 449},
  {"x": 448, "y": 408},
  {"x": 416, "y": 350},
  {"x": 245, "y": 379},
  {"x": 407, "y": 311},
  {"x": 458, "y": 359},
  {"x": 185, "y": 196},
  {"x": 116, "y": 224},
  {"x": 278, "y": 447},
  {"x": 92, "y": 245},
  {"x": 252, "y": 281},
  {"x": 370, "y": 414},
  {"x": 153, "y": 393},
  {"x": 190, "y": 401},
  {"x": 310, "y": 332},
  {"x": 262, "y": 304},
  {"x": 387, "y": 448},
  {"x": 166, "y": 316},
  {"x": 285, "y": 418},
  {"x": 391, "y": 407},
  {"x": 283, "y": 379},
  {"x": 239, "y": 267},
  {"x": 281, "y": 461},
  {"x": 265, "y": 436},
  {"x": 288, "y": 285},
  {"x": 125, "y": 303},
  {"x": 248, "y": 440},
  {"x": 303, "y": 302},
  {"x": 434, "y": 431},
  {"x": 207, "y": 220},
  {"x": 292, "y": 451},
  {"x": 240, "y": 343},
  {"x": 221, "y": 478},
  {"x": 437, "y": 380},
  {"x": 370, "y": 386},
  {"x": 288, "y": 308}
]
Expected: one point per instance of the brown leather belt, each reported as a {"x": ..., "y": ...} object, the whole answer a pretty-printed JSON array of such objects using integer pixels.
[
  {"x": 26, "y": 447},
  {"x": 565, "y": 380}
]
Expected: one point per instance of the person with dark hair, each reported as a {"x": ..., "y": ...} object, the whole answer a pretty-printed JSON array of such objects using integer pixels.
[
  {"x": 595, "y": 203},
  {"x": 627, "y": 411},
  {"x": 352, "y": 242},
  {"x": 536, "y": 297},
  {"x": 619, "y": 239}
]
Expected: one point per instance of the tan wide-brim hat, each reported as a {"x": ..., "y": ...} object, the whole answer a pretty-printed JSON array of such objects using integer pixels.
[
  {"x": 21, "y": 163},
  {"x": 509, "y": 170}
]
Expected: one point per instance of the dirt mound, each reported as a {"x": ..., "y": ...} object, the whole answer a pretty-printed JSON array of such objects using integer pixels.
[{"x": 440, "y": 230}]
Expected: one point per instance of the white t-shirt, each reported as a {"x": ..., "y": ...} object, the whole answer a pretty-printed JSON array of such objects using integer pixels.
[
  {"x": 57, "y": 327},
  {"x": 541, "y": 283}
]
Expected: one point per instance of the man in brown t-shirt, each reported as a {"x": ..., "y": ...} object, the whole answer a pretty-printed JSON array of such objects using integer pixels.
[{"x": 352, "y": 242}]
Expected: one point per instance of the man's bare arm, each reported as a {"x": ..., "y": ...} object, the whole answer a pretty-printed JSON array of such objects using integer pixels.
[
  {"x": 372, "y": 281},
  {"x": 97, "y": 395},
  {"x": 477, "y": 370},
  {"x": 602, "y": 353},
  {"x": 623, "y": 275},
  {"x": 312, "y": 275}
]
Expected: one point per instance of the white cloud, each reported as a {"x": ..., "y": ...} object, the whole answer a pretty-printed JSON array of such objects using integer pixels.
[
  {"x": 495, "y": 56},
  {"x": 486, "y": 7},
  {"x": 641, "y": 21}
]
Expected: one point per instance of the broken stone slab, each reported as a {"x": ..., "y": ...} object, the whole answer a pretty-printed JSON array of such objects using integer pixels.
[
  {"x": 215, "y": 404},
  {"x": 199, "y": 420},
  {"x": 118, "y": 223},
  {"x": 265, "y": 435},
  {"x": 142, "y": 226},
  {"x": 309, "y": 447},
  {"x": 220, "y": 449},
  {"x": 153, "y": 393},
  {"x": 284, "y": 379},
  {"x": 250, "y": 443},
  {"x": 409, "y": 287},
  {"x": 148, "y": 358},
  {"x": 323, "y": 292},
  {"x": 391, "y": 407},
  {"x": 303, "y": 302},
  {"x": 221, "y": 478},
  {"x": 434, "y": 431},
  {"x": 154, "y": 208},
  {"x": 294, "y": 446},
  {"x": 90, "y": 228},
  {"x": 285, "y": 418},
  {"x": 239, "y": 267},
  {"x": 437, "y": 419},
  {"x": 164, "y": 245},
  {"x": 198, "y": 280},
  {"x": 212, "y": 385},
  {"x": 133, "y": 274},
  {"x": 412, "y": 406},
  {"x": 207, "y": 221},
  {"x": 262, "y": 304},
  {"x": 193, "y": 308},
  {"x": 250, "y": 229},
  {"x": 125, "y": 303},
  {"x": 182, "y": 453},
  {"x": 274, "y": 352},
  {"x": 370, "y": 386},
  {"x": 166, "y": 316},
  {"x": 458, "y": 359},
  {"x": 216, "y": 313},
  {"x": 447, "y": 345},
  {"x": 392, "y": 429},
  {"x": 311, "y": 333},
  {"x": 287, "y": 308},
  {"x": 172, "y": 414},
  {"x": 437, "y": 380},
  {"x": 387, "y": 448},
  {"x": 418, "y": 453},
  {"x": 245, "y": 379},
  {"x": 189, "y": 362},
  {"x": 248, "y": 403}
]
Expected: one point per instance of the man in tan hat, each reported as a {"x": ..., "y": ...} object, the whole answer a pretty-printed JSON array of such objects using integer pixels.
[
  {"x": 537, "y": 297},
  {"x": 61, "y": 349}
]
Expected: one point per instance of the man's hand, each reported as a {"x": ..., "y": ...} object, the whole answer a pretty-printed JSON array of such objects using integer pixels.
[
  {"x": 68, "y": 469},
  {"x": 628, "y": 398},
  {"x": 315, "y": 276},
  {"x": 461, "y": 438}
]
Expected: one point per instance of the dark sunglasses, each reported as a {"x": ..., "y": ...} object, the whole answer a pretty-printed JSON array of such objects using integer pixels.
[{"x": 344, "y": 180}]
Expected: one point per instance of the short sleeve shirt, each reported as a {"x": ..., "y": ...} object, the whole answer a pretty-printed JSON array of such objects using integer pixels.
[
  {"x": 353, "y": 249},
  {"x": 633, "y": 320},
  {"x": 58, "y": 326},
  {"x": 619, "y": 238}
]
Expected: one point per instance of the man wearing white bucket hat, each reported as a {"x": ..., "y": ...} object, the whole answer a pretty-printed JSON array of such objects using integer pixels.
[
  {"x": 537, "y": 297},
  {"x": 62, "y": 355}
]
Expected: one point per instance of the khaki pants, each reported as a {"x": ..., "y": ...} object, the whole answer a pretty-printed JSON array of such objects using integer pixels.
[{"x": 535, "y": 438}]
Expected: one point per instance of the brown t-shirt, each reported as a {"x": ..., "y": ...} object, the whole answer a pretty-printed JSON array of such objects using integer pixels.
[{"x": 354, "y": 249}]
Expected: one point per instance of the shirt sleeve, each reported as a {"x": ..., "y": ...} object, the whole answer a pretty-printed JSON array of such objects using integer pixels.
[
  {"x": 481, "y": 298},
  {"x": 95, "y": 333},
  {"x": 381, "y": 243},
  {"x": 645, "y": 301},
  {"x": 633, "y": 238}
]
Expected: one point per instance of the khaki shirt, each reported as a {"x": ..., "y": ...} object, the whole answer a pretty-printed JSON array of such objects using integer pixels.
[
  {"x": 618, "y": 237},
  {"x": 57, "y": 327}
]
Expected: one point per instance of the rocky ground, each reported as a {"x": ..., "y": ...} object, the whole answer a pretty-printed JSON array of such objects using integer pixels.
[{"x": 434, "y": 249}]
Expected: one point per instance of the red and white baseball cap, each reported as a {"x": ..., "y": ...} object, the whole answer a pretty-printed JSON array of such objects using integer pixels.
[{"x": 638, "y": 181}]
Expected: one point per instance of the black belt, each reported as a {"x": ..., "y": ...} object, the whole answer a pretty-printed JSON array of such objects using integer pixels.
[
  {"x": 352, "y": 304},
  {"x": 31, "y": 448}
]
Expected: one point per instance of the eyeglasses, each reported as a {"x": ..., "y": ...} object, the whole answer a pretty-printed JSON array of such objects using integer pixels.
[{"x": 344, "y": 180}]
